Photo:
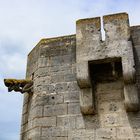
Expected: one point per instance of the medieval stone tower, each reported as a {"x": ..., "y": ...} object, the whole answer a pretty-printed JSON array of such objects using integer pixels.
[{"x": 85, "y": 88}]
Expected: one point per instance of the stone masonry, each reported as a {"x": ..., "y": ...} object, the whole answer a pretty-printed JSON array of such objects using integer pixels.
[{"x": 85, "y": 88}]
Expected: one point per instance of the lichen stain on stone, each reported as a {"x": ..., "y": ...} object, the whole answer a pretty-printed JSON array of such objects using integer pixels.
[
  {"x": 96, "y": 21},
  {"x": 110, "y": 18}
]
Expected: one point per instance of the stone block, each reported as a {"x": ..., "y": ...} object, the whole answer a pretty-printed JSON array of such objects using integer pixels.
[
  {"x": 136, "y": 132},
  {"x": 110, "y": 107},
  {"x": 55, "y": 69},
  {"x": 111, "y": 86},
  {"x": 56, "y": 60},
  {"x": 54, "y": 132},
  {"x": 110, "y": 96},
  {"x": 69, "y": 59},
  {"x": 25, "y": 108},
  {"x": 24, "y": 119},
  {"x": 67, "y": 69},
  {"x": 131, "y": 97},
  {"x": 116, "y": 26},
  {"x": 61, "y": 87},
  {"x": 31, "y": 124},
  {"x": 48, "y": 88},
  {"x": 70, "y": 77},
  {"x": 37, "y": 111},
  {"x": 61, "y": 138},
  {"x": 87, "y": 34},
  {"x": 87, "y": 101},
  {"x": 24, "y": 128},
  {"x": 34, "y": 134},
  {"x": 106, "y": 133},
  {"x": 26, "y": 99},
  {"x": 73, "y": 86},
  {"x": 32, "y": 62},
  {"x": 47, "y": 138},
  {"x": 44, "y": 71},
  {"x": 48, "y": 99},
  {"x": 54, "y": 110},
  {"x": 110, "y": 120},
  {"x": 43, "y": 62},
  {"x": 74, "y": 108},
  {"x": 89, "y": 121},
  {"x": 82, "y": 75},
  {"x": 125, "y": 133},
  {"x": 53, "y": 138},
  {"x": 135, "y": 32},
  {"x": 81, "y": 135},
  {"x": 45, "y": 121},
  {"x": 66, "y": 121},
  {"x": 39, "y": 81},
  {"x": 134, "y": 119},
  {"x": 57, "y": 78},
  {"x": 71, "y": 97},
  {"x": 80, "y": 122}
]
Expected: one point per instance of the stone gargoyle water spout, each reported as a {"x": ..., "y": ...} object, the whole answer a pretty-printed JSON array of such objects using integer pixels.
[{"x": 17, "y": 85}]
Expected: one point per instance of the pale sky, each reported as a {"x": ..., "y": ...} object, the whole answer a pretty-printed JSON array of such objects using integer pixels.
[{"x": 23, "y": 23}]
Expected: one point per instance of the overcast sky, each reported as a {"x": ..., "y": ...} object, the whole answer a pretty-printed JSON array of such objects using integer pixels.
[{"x": 23, "y": 23}]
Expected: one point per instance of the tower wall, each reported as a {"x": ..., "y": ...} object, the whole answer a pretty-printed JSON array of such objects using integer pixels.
[{"x": 58, "y": 108}]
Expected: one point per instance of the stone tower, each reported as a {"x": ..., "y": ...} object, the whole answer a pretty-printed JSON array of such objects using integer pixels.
[{"x": 85, "y": 88}]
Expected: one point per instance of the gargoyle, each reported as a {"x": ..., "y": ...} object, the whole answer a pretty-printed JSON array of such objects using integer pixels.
[{"x": 19, "y": 85}]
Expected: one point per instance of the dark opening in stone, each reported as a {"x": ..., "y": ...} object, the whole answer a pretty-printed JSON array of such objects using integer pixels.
[{"x": 105, "y": 71}]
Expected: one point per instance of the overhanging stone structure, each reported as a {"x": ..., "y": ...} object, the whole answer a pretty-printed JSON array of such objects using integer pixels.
[
  {"x": 116, "y": 47},
  {"x": 81, "y": 87}
]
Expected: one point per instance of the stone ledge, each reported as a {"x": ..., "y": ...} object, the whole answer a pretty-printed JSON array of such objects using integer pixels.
[{"x": 44, "y": 41}]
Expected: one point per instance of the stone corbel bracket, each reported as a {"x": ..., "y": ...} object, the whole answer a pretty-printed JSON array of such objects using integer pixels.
[
  {"x": 21, "y": 86},
  {"x": 90, "y": 48}
]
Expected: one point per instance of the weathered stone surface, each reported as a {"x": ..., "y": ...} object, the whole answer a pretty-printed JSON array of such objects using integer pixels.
[
  {"x": 81, "y": 134},
  {"x": 34, "y": 133},
  {"x": 71, "y": 96},
  {"x": 54, "y": 132},
  {"x": 66, "y": 121},
  {"x": 83, "y": 86},
  {"x": 110, "y": 107},
  {"x": 87, "y": 101},
  {"x": 53, "y": 110},
  {"x": 48, "y": 99},
  {"x": 37, "y": 111},
  {"x": 90, "y": 49},
  {"x": 106, "y": 133},
  {"x": 45, "y": 121},
  {"x": 110, "y": 120},
  {"x": 74, "y": 108},
  {"x": 125, "y": 133}
]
